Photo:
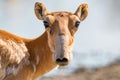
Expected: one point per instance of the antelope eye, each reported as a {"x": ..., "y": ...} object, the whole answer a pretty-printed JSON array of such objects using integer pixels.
[
  {"x": 77, "y": 23},
  {"x": 46, "y": 24}
]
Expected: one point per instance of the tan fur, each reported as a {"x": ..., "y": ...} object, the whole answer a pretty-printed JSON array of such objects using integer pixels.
[{"x": 28, "y": 59}]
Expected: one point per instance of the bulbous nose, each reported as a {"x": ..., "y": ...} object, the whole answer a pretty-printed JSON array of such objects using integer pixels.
[{"x": 62, "y": 61}]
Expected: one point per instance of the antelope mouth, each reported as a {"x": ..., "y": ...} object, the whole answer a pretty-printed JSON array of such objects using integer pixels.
[{"x": 63, "y": 64}]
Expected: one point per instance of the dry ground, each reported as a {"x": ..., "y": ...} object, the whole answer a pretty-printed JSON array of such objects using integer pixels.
[{"x": 111, "y": 72}]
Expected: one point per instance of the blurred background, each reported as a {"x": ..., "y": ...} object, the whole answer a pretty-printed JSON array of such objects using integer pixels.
[{"x": 97, "y": 43}]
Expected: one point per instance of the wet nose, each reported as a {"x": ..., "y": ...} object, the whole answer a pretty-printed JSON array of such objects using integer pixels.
[{"x": 62, "y": 61}]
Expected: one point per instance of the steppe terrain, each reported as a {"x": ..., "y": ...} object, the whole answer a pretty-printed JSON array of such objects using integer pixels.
[{"x": 110, "y": 72}]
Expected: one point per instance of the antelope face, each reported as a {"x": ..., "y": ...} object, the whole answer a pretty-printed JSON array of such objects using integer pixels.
[{"x": 61, "y": 28}]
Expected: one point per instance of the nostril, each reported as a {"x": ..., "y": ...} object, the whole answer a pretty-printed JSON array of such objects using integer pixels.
[
  {"x": 62, "y": 60},
  {"x": 65, "y": 60}
]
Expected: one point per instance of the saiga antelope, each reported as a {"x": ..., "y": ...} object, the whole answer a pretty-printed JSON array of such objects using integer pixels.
[{"x": 28, "y": 59}]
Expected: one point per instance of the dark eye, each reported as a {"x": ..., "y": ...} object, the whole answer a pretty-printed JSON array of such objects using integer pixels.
[
  {"x": 77, "y": 23},
  {"x": 46, "y": 24}
]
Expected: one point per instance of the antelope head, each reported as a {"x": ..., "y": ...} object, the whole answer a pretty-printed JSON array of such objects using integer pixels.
[{"x": 61, "y": 27}]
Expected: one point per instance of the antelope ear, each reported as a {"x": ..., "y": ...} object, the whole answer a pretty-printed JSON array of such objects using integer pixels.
[
  {"x": 82, "y": 12},
  {"x": 40, "y": 10}
]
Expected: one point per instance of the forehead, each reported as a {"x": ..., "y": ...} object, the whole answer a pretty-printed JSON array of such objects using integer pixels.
[{"x": 62, "y": 15}]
